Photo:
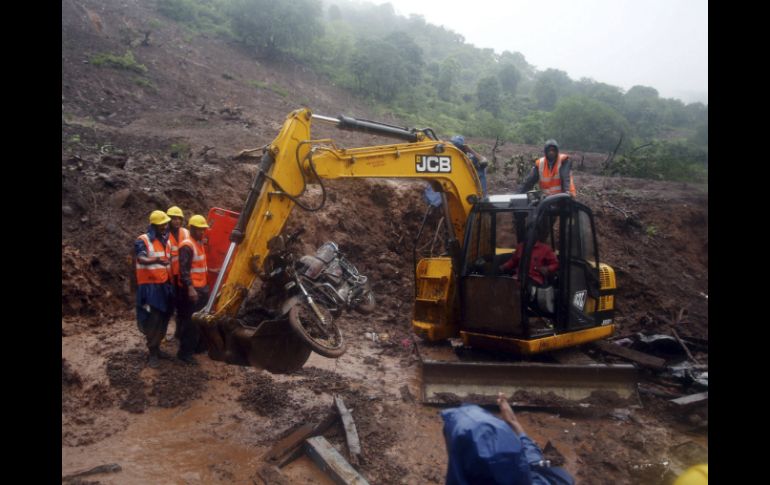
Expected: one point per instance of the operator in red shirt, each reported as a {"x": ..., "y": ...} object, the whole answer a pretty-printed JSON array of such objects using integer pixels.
[{"x": 542, "y": 263}]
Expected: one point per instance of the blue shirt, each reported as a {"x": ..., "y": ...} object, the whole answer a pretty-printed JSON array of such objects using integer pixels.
[
  {"x": 434, "y": 198},
  {"x": 482, "y": 448},
  {"x": 158, "y": 296},
  {"x": 481, "y": 171}
]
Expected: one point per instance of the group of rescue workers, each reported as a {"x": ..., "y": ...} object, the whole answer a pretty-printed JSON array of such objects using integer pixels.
[
  {"x": 171, "y": 277},
  {"x": 171, "y": 271}
]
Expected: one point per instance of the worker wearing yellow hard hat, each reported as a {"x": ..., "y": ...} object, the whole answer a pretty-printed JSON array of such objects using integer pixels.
[
  {"x": 193, "y": 289},
  {"x": 696, "y": 475},
  {"x": 176, "y": 234},
  {"x": 154, "y": 294}
]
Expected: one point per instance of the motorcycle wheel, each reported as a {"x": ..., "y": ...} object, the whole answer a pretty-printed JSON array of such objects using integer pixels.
[
  {"x": 368, "y": 303},
  {"x": 324, "y": 339}
]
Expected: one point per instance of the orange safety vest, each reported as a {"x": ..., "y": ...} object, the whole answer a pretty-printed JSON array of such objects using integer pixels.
[
  {"x": 198, "y": 269},
  {"x": 550, "y": 180},
  {"x": 156, "y": 273},
  {"x": 173, "y": 246}
]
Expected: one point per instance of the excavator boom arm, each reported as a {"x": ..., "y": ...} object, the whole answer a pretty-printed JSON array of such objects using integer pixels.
[{"x": 293, "y": 159}]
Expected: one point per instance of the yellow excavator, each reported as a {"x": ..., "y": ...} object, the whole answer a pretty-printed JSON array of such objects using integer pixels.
[{"x": 465, "y": 294}]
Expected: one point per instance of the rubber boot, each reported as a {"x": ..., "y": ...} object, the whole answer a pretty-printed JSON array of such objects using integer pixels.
[
  {"x": 188, "y": 359},
  {"x": 153, "y": 361}
]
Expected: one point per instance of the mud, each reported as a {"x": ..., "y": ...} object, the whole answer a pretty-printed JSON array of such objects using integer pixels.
[
  {"x": 174, "y": 384},
  {"x": 262, "y": 396}
]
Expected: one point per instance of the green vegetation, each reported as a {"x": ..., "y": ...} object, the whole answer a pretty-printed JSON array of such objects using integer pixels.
[
  {"x": 179, "y": 150},
  {"x": 145, "y": 83},
  {"x": 263, "y": 85},
  {"x": 428, "y": 75},
  {"x": 125, "y": 62},
  {"x": 200, "y": 16}
]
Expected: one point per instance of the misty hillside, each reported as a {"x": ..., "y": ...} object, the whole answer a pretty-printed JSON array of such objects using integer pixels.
[{"x": 390, "y": 67}]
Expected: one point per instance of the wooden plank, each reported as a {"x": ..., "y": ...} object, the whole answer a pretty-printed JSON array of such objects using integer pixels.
[
  {"x": 287, "y": 444},
  {"x": 640, "y": 358},
  {"x": 351, "y": 434},
  {"x": 691, "y": 399},
  {"x": 290, "y": 447},
  {"x": 332, "y": 463},
  {"x": 111, "y": 468}
]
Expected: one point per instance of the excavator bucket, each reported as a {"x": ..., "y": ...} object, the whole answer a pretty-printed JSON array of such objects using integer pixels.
[
  {"x": 271, "y": 345},
  {"x": 527, "y": 383}
]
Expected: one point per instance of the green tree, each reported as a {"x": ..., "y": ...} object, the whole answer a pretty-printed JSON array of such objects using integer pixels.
[
  {"x": 561, "y": 82},
  {"x": 701, "y": 136},
  {"x": 665, "y": 160},
  {"x": 379, "y": 69},
  {"x": 274, "y": 28},
  {"x": 642, "y": 107},
  {"x": 488, "y": 126},
  {"x": 586, "y": 124},
  {"x": 607, "y": 94},
  {"x": 697, "y": 113},
  {"x": 447, "y": 78},
  {"x": 409, "y": 53},
  {"x": 545, "y": 93},
  {"x": 532, "y": 128},
  {"x": 488, "y": 94},
  {"x": 509, "y": 78}
]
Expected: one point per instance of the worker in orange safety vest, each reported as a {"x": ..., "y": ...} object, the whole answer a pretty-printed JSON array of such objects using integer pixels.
[
  {"x": 154, "y": 295},
  {"x": 176, "y": 234},
  {"x": 193, "y": 289},
  {"x": 553, "y": 173}
]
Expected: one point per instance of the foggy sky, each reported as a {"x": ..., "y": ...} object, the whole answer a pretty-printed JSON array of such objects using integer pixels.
[{"x": 658, "y": 43}]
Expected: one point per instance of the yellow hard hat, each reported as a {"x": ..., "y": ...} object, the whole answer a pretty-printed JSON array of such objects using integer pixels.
[
  {"x": 158, "y": 218},
  {"x": 198, "y": 221},
  {"x": 174, "y": 212},
  {"x": 696, "y": 475}
]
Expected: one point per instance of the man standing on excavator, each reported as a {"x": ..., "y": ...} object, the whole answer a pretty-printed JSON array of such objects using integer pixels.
[
  {"x": 553, "y": 172},
  {"x": 193, "y": 289},
  {"x": 479, "y": 163},
  {"x": 154, "y": 293}
]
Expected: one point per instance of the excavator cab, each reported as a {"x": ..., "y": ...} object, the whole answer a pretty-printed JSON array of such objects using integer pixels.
[{"x": 519, "y": 310}]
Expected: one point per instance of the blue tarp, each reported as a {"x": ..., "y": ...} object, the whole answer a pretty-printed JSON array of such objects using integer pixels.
[{"x": 482, "y": 449}]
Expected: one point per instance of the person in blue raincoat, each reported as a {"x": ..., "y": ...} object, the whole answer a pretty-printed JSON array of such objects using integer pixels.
[
  {"x": 484, "y": 449},
  {"x": 479, "y": 162}
]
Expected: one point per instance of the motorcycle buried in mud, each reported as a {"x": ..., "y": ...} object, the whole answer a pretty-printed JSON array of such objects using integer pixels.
[{"x": 314, "y": 290}]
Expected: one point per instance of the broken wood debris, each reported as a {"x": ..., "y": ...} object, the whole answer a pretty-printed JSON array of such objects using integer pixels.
[
  {"x": 110, "y": 468},
  {"x": 691, "y": 399},
  {"x": 351, "y": 434},
  {"x": 290, "y": 447},
  {"x": 640, "y": 358},
  {"x": 332, "y": 463}
]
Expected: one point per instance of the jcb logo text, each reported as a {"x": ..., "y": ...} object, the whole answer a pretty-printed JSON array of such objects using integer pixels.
[{"x": 433, "y": 163}]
